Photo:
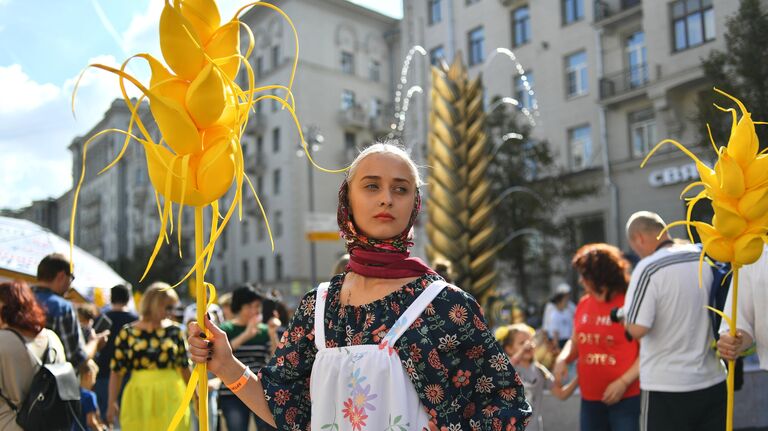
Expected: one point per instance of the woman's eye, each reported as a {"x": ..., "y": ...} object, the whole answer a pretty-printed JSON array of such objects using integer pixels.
[
  {"x": 401, "y": 190},
  {"x": 372, "y": 186}
]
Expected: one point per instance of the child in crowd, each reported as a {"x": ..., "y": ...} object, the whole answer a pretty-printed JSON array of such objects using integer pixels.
[
  {"x": 90, "y": 418},
  {"x": 519, "y": 344}
]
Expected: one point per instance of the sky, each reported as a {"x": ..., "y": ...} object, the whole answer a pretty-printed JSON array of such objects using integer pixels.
[{"x": 44, "y": 47}]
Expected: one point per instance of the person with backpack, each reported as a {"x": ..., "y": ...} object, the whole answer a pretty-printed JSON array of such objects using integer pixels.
[{"x": 22, "y": 318}]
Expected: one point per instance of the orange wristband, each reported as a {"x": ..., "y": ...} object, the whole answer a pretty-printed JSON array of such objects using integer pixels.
[{"x": 239, "y": 384}]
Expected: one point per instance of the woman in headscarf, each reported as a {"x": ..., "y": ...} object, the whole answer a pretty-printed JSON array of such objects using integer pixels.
[{"x": 387, "y": 342}]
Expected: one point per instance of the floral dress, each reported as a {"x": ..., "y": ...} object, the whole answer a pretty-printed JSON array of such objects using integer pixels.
[{"x": 460, "y": 373}]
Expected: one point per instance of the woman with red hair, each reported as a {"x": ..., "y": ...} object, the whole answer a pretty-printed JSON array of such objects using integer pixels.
[
  {"x": 21, "y": 318},
  {"x": 608, "y": 364}
]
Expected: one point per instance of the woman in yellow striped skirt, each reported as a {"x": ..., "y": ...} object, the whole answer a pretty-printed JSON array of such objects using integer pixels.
[{"x": 153, "y": 350}]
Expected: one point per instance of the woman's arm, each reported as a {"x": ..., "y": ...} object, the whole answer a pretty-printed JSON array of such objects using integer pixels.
[
  {"x": 217, "y": 353},
  {"x": 115, "y": 383},
  {"x": 616, "y": 389}
]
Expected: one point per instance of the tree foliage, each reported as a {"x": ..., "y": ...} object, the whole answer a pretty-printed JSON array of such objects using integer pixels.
[{"x": 525, "y": 162}]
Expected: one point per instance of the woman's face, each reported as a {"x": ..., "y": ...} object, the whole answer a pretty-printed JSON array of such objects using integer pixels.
[{"x": 381, "y": 196}]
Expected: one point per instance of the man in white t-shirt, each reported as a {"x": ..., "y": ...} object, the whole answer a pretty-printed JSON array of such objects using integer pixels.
[
  {"x": 752, "y": 326},
  {"x": 682, "y": 381}
]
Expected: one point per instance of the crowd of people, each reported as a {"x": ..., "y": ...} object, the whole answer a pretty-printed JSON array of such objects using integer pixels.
[{"x": 388, "y": 340}]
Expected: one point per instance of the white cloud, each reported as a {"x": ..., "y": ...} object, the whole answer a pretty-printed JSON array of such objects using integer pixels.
[
  {"x": 21, "y": 94},
  {"x": 37, "y": 126}
]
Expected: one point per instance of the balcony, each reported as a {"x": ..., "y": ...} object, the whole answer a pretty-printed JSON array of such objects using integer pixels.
[
  {"x": 609, "y": 13},
  {"x": 624, "y": 85},
  {"x": 255, "y": 166},
  {"x": 381, "y": 121},
  {"x": 257, "y": 123},
  {"x": 353, "y": 117}
]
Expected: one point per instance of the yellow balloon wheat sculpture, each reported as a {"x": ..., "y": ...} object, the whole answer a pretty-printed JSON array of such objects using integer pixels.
[
  {"x": 201, "y": 113},
  {"x": 737, "y": 185}
]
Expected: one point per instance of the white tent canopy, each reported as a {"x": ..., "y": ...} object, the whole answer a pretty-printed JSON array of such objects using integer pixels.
[{"x": 23, "y": 245}]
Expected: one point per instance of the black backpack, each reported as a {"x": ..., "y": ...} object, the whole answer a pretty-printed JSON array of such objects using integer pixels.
[{"x": 53, "y": 401}]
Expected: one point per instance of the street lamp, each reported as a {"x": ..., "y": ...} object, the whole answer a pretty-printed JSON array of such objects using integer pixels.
[{"x": 312, "y": 144}]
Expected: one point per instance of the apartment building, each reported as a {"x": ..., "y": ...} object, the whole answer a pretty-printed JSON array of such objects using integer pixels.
[
  {"x": 343, "y": 87},
  {"x": 610, "y": 78}
]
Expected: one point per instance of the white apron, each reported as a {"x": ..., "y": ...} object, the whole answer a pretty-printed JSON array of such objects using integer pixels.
[{"x": 364, "y": 387}]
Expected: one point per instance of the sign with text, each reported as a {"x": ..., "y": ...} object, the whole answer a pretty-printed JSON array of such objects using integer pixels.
[{"x": 321, "y": 227}]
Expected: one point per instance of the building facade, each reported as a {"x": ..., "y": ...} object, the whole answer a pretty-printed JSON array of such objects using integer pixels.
[
  {"x": 343, "y": 87},
  {"x": 610, "y": 79}
]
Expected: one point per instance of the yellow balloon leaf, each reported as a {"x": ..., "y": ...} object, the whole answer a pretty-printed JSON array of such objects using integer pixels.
[
  {"x": 217, "y": 170},
  {"x": 224, "y": 48},
  {"x": 747, "y": 249},
  {"x": 162, "y": 167},
  {"x": 730, "y": 175},
  {"x": 203, "y": 15},
  {"x": 754, "y": 203},
  {"x": 205, "y": 97},
  {"x": 178, "y": 129},
  {"x": 181, "y": 47},
  {"x": 756, "y": 174},
  {"x": 730, "y": 224},
  {"x": 743, "y": 145},
  {"x": 213, "y": 135}
]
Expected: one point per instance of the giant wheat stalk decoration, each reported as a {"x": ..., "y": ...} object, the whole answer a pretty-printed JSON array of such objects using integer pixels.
[
  {"x": 460, "y": 227},
  {"x": 201, "y": 113},
  {"x": 738, "y": 189}
]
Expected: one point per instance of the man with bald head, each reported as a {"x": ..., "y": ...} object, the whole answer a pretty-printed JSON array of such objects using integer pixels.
[{"x": 682, "y": 381}]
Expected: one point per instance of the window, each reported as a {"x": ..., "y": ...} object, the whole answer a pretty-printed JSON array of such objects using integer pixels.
[
  {"x": 638, "y": 71},
  {"x": 436, "y": 54},
  {"x": 275, "y": 56},
  {"x": 260, "y": 185},
  {"x": 350, "y": 141},
  {"x": 246, "y": 275},
  {"x": 521, "y": 26},
  {"x": 580, "y": 144},
  {"x": 259, "y": 67},
  {"x": 278, "y": 224},
  {"x": 587, "y": 229},
  {"x": 347, "y": 100},
  {"x": 693, "y": 23},
  {"x": 244, "y": 233},
  {"x": 524, "y": 94},
  {"x": 276, "y": 181},
  {"x": 278, "y": 267},
  {"x": 259, "y": 145},
  {"x": 475, "y": 41},
  {"x": 261, "y": 231},
  {"x": 276, "y": 140},
  {"x": 642, "y": 131},
  {"x": 374, "y": 71},
  {"x": 347, "y": 63},
  {"x": 258, "y": 106},
  {"x": 573, "y": 10},
  {"x": 576, "y": 74},
  {"x": 471, "y": 2},
  {"x": 433, "y": 12},
  {"x": 262, "y": 267},
  {"x": 275, "y": 103},
  {"x": 377, "y": 106},
  {"x": 224, "y": 280}
]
